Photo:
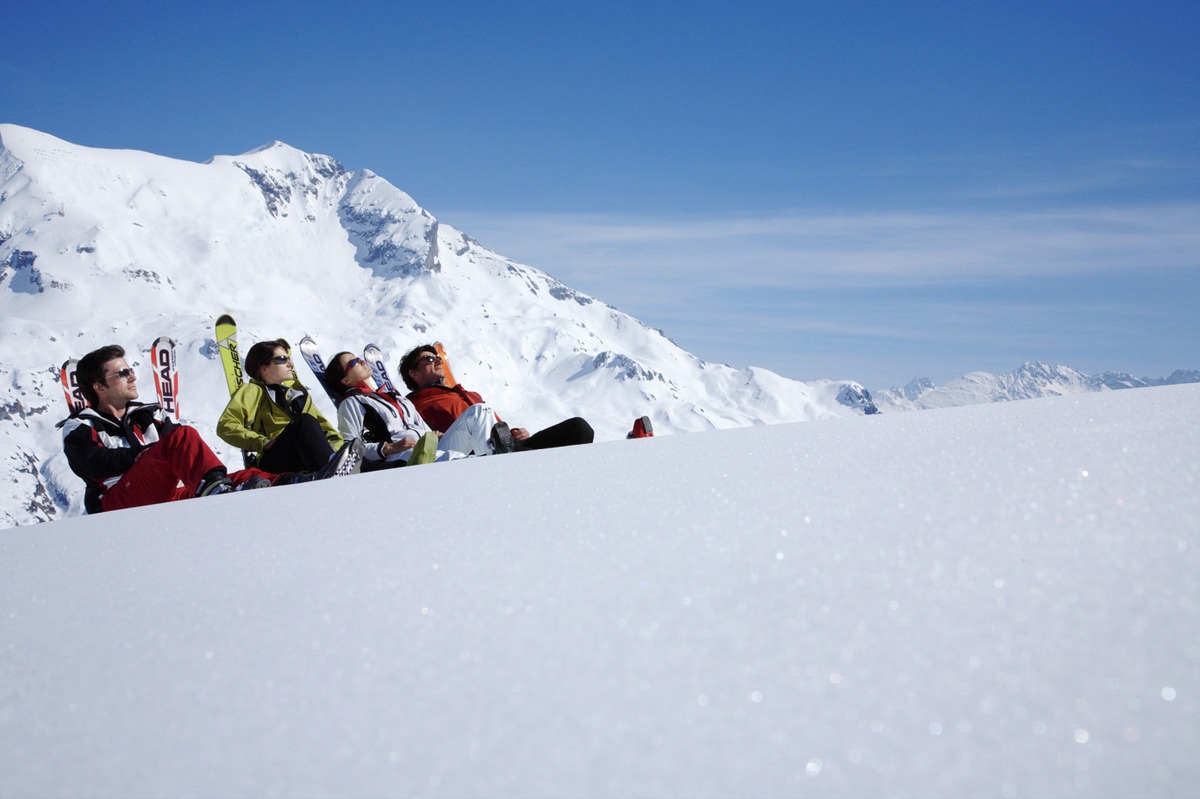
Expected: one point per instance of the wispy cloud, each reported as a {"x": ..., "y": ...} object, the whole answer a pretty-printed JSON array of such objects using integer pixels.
[
  {"x": 801, "y": 249},
  {"x": 882, "y": 296}
]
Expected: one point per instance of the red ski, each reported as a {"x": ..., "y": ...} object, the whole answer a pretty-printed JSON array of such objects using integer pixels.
[
  {"x": 70, "y": 384},
  {"x": 166, "y": 374}
]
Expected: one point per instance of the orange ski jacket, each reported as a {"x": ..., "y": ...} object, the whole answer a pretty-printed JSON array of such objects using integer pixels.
[{"x": 439, "y": 406}]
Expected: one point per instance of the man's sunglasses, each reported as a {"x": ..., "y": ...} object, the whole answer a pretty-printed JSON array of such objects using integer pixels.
[
  {"x": 430, "y": 359},
  {"x": 124, "y": 374},
  {"x": 281, "y": 359}
]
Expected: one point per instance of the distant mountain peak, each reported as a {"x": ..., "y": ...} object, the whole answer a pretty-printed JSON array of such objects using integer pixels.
[
  {"x": 855, "y": 396},
  {"x": 1029, "y": 380},
  {"x": 275, "y": 144}
]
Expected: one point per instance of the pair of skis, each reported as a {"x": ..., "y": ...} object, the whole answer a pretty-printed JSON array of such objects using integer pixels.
[
  {"x": 374, "y": 358},
  {"x": 166, "y": 378},
  {"x": 372, "y": 354},
  {"x": 226, "y": 330}
]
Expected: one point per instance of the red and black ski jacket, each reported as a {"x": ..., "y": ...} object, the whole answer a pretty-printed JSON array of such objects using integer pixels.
[{"x": 100, "y": 448}]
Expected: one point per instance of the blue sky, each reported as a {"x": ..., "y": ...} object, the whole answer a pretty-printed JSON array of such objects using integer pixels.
[{"x": 874, "y": 191}]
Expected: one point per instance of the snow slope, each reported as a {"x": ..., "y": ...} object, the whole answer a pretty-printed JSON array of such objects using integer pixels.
[
  {"x": 116, "y": 246},
  {"x": 1003, "y": 603}
]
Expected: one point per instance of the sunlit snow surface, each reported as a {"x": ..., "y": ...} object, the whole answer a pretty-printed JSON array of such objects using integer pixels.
[{"x": 998, "y": 600}]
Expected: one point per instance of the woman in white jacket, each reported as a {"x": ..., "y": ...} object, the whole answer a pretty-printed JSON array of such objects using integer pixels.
[{"x": 387, "y": 423}]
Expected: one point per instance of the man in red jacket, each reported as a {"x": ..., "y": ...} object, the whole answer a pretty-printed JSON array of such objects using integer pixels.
[{"x": 446, "y": 409}]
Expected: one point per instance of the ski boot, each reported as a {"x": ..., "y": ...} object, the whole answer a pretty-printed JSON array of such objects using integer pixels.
[{"x": 501, "y": 439}]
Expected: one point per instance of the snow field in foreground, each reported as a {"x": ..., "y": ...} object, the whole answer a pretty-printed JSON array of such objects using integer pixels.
[{"x": 993, "y": 600}]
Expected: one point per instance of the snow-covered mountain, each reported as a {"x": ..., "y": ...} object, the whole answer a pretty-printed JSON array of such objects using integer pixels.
[
  {"x": 1003, "y": 604},
  {"x": 117, "y": 246},
  {"x": 1119, "y": 380},
  {"x": 1030, "y": 381}
]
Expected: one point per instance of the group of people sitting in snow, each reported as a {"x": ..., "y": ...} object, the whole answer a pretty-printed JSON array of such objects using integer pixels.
[{"x": 131, "y": 453}]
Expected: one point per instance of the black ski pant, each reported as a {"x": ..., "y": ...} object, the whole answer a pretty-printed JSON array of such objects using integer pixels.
[
  {"x": 564, "y": 434},
  {"x": 301, "y": 447}
]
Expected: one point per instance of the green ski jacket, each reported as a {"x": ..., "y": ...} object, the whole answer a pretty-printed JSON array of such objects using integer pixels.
[{"x": 254, "y": 416}]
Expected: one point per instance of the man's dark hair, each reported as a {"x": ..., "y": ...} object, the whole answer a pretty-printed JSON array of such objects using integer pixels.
[
  {"x": 334, "y": 374},
  {"x": 260, "y": 355},
  {"x": 90, "y": 369},
  {"x": 409, "y": 362}
]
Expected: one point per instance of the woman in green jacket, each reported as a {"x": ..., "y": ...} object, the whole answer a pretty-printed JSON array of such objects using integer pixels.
[{"x": 274, "y": 417}]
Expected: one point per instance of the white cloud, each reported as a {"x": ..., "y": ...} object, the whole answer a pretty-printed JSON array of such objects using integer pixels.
[
  {"x": 594, "y": 251},
  {"x": 881, "y": 297}
]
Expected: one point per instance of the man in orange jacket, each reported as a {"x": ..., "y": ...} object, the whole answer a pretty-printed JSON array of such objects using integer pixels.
[{"x": 456, "y": 411}]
